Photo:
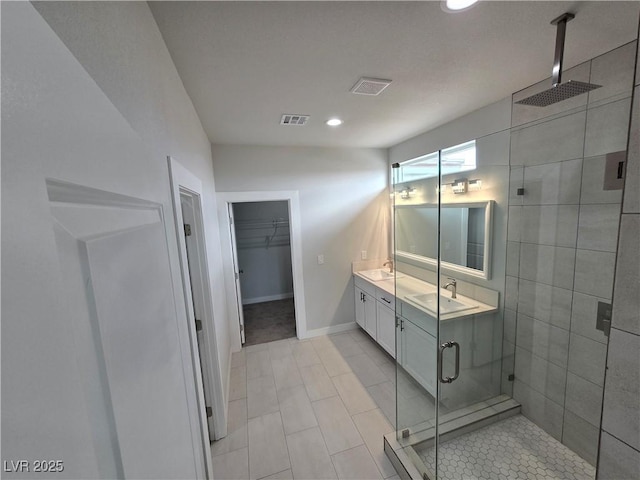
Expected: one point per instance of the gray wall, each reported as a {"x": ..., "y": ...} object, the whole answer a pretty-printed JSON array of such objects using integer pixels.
[
  {"x": 620, "y": 434},
  {"x": 344, "y": 208},
  {"x": 561, "y": 249}
]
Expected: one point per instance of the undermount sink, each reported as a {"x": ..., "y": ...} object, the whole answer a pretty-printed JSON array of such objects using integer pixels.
[
  {"x": 379, "y": 274},
  {"x": 429, "y": 302}
]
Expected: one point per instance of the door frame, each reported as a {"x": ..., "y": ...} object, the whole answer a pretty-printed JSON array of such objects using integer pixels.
[
  {"x": 236, "y": 271},
  {"x": 190, "y": 207},
  {"x": 292, "y": 198},
  {"x": 182, "y": 181}
]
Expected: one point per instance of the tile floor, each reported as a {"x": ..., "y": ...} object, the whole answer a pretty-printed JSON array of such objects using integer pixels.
[
  {"x": 309, "y": 409},
  {"x": 514, "y": 448}
]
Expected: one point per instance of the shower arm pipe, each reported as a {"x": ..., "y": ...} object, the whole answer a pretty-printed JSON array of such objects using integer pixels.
[{"x": 561, "y": 23}]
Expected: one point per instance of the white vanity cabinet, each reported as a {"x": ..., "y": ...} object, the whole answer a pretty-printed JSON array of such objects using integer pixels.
[
  {"x": 408, "y": 332},
  {"x": 365, "y": 301},
  {"x": 375, "y": 313},
  {"x": 386, "y": 319},
  {"x": 418, "y": 348},
  {"x": 359, "y": 301},
  {"x": 386, "y": 328}
]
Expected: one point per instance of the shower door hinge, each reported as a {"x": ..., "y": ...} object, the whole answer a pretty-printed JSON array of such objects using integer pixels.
[
  {"x": 241, "y": 328},
  {"x": 187, "y": 230},
  {"x": 209, "y": 411},
  {"x": 230, "y": 220},
  {"x": 237, "y": 275},
  {"x": 198, "y": 325},
  {"x": 511, "y": 377}
]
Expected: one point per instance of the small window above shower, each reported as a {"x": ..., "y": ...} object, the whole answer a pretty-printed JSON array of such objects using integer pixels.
[{"x": 459, "y": 158}]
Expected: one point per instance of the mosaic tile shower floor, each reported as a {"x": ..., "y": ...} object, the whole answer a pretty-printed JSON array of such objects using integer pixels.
[{"x": 514, "y": 448}]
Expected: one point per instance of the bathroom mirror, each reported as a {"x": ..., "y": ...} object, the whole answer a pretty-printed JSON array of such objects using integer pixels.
[{"x": 465, "y": 232}]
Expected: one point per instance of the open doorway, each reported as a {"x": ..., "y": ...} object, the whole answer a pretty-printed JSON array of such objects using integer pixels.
[
  {"x": 264, "y": 263},
  {"x": 226, "y": 200}
]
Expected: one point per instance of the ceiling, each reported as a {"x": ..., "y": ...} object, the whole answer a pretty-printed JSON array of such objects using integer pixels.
[{"x": 244, "y": 64}]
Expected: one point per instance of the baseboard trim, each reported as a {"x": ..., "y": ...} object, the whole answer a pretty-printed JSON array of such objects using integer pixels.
[
  {"x": 268, "y": 298},
  {"x": 343, "y": 327}
]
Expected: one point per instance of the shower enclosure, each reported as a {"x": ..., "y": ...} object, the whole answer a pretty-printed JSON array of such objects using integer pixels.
[{"x": 504, "y": 285}]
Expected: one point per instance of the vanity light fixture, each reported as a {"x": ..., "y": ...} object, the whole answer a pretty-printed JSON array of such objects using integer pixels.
[
  {"x": 460, "y": 186},
  {"x": 475, "y": 185},
  {"x": 407, "y": 192},
  {"x": 334, "y": 122}
]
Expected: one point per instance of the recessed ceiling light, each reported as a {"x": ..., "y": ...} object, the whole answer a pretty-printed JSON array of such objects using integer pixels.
[
  {"x": 334, "y": 122},
  {"x": 457, "y": 5}
]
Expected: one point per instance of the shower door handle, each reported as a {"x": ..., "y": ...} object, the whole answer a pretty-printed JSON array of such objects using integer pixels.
[{"x": 445, "y": 345}]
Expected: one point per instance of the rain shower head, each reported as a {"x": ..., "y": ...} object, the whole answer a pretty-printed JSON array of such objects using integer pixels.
[{"x": 559, "y": 91}]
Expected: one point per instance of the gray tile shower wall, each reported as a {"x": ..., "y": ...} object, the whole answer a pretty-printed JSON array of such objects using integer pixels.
[
  {"x": 561, "y": 255},
  {"x": 620, "y": 435}
]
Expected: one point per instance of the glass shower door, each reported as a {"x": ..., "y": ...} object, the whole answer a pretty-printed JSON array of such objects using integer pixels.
[
  {"x": 448, "y": 368},
  {"x": 416, "y": 327}
]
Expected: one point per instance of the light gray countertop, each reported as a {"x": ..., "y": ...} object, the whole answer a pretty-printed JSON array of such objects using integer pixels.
[{"x": 408, "y": 285}]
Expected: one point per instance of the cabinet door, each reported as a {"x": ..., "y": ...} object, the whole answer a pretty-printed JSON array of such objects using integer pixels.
[
  {"x": 370, "y": 324},
  {"x": 386, "y": 328},
  {"x": 359, "y": 302},
  {"x": 419, "y": 351}
]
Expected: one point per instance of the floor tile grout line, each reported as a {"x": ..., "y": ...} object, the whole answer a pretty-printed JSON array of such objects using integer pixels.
[
  {"x": 299, "y": 368},
  {"x": 288, "y": 449},
  {"x": 370, "y": 452},
  {"x": 282, "y": 471}
]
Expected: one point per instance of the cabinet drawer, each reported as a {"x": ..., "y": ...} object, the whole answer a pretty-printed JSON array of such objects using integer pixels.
[
  {"x": 364, "y": 286},
  {"x": 419, "y": 318},
  {"x": 385, "y": 298}
]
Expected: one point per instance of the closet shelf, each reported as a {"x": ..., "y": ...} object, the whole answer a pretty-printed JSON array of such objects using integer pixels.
[{"x": 262, "y": 233}]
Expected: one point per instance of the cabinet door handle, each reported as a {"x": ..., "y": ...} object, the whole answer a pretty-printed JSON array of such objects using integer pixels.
[
  {"x": 456, "y": 345},
  {"x": 388, "y": 301}
]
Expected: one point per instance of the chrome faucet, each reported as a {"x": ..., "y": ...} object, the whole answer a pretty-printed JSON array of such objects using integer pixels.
[
  {"x": 390, "y": 263},
  {"x": 452, "y": 284}
]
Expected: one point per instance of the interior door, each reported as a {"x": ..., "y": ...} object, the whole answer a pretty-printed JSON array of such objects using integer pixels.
[
  {"x": 236, "y": 271},
  {"x": 197, "y": 314},
  {"x": 96, "y": 372}
]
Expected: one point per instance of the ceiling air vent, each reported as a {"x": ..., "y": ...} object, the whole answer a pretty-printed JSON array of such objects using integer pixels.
[
  {"x": 291, "y": 119},
  {"x": 370, "y": 86}
]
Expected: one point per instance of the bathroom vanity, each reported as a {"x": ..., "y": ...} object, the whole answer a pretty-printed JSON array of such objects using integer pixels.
[{"x": 409, "y": 310}]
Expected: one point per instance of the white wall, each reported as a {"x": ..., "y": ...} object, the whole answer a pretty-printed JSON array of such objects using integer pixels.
[
  {"x": 121, "y": 48},
  {"x": 265, "y": 270},
  {"x": 481, "y": 123},
  {"x": 343, "y": 208}
]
